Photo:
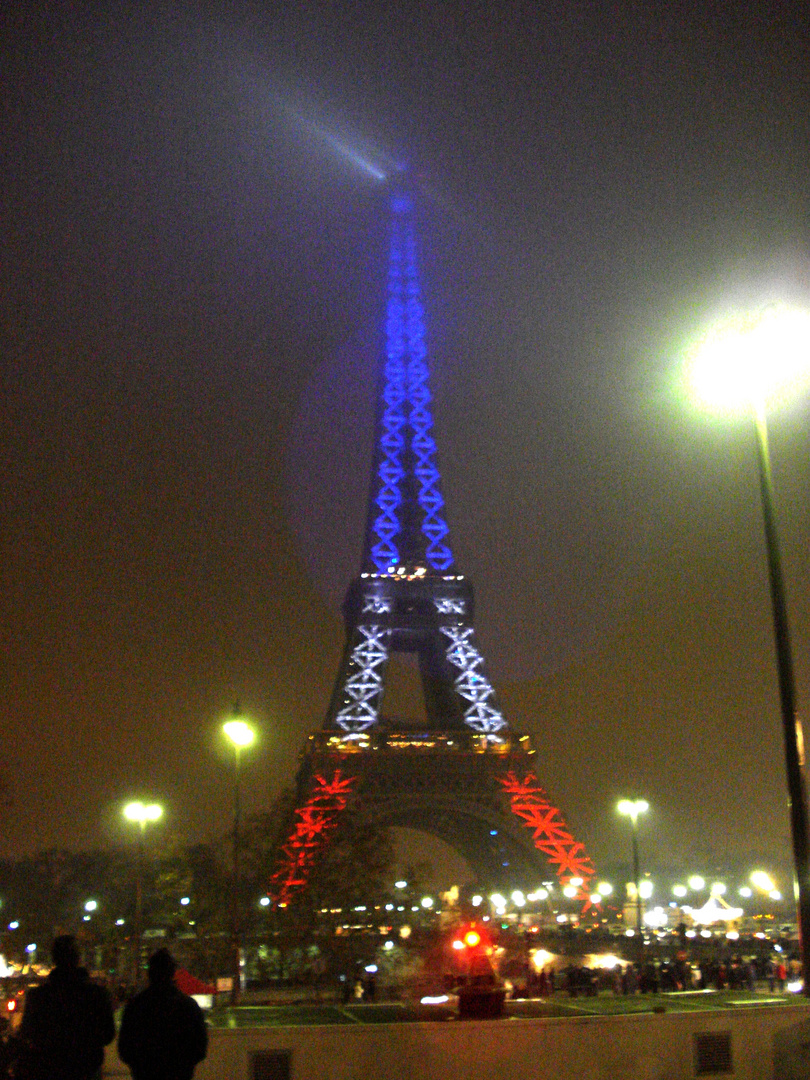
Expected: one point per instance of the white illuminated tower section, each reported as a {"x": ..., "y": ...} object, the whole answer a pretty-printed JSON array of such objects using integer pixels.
[{"x": 462, "y": 774}]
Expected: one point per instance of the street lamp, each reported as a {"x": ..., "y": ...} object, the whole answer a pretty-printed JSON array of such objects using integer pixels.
[
  {"x": 240, "y": 735},
  {"x": 752, "y": 361},
  {"x": 141, "y": 814},
  {"x": 632, "y": 808}
]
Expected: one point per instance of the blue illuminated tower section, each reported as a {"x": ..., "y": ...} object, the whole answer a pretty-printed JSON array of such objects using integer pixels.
[
  {"x": 407, "y": 527},
  {"x": 409, "y": 598}
]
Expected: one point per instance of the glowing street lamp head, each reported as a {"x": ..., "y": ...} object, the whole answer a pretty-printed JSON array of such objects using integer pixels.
[
  {"x": 142, "y": 813},
  {"x": 632, "y": 808},
  {"x": 750, "y": 360},
  {"x": 240, "y": 733}
]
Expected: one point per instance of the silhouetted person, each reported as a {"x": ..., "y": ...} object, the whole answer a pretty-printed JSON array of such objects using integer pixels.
[
  {"x": 163, "y": 1033},
  {"x": 66, "y": 1023}
]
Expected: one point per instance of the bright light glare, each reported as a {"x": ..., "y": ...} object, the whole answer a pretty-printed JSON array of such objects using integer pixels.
[
  {"x": 140, "y": 812},
  {"x": 604, "y": 888},
  {"x": 679, "y": 890},
  {"x": 633, "y": 807},
  {"x": 645, "y": 890},
  {"x": 696, "y": 883},
  {"x": 763, "y": 881},
  {"x": 570, "y": 891},
  {"x": 604, "y": 961},
  {"x": 518, "y": 899},
  {"x": 656, "y": 918},
  {"x": 427, "y": 901},
  {"x": 717, "y": 888},
  {"x": 240, "y": 733},
  {"x": 746, "y": 892},
  {"x": 750, "y": 359},
  {"x": 541, "y": 957}
]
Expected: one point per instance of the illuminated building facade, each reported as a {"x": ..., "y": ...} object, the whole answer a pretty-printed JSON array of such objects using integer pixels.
[{"x": 461, "y": 774}]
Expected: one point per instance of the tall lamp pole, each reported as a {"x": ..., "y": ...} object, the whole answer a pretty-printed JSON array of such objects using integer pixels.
[
  {"x": 240, "y": 735},
  {"x": 141, "y": 814},
  {"x": 632, "y": 808},
  {"x": 747, "y": 361}
]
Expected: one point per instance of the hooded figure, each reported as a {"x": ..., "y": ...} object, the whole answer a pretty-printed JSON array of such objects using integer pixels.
[
  {"x": 163, "y": 1033},
  {"x": 66, "y": 1023}
]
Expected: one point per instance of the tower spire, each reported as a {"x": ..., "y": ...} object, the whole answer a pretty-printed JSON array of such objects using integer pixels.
[{"x": 407, "y": 529}]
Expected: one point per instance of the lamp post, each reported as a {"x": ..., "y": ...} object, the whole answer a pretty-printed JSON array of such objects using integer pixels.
[
  {"x": 632, "y": 808},
  {"x": 141, "y": 814},
  {"x": 240, "y": 735},
  {"x": 750, "y": 361}
]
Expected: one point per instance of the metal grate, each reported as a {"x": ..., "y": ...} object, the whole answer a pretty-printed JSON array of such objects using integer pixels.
[
  {"x": 713, "y": 1053},
  {"x": 271, "y": 1065}
]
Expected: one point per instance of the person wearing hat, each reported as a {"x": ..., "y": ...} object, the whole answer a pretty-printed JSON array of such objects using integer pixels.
[{"x": 163, "y": 1034}]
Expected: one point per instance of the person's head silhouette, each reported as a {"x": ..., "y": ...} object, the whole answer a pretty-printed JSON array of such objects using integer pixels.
[
  {"x": 161, "y": 967},
  {"x": 65, "y": 952}
]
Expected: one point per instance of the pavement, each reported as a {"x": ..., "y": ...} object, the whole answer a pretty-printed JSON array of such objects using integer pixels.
[{"x": 305, "y": 1013}]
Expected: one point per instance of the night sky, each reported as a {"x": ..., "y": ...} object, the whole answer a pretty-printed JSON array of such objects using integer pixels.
[{"x": 192, "y": 283}]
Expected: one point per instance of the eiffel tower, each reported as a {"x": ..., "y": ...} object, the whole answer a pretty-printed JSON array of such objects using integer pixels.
[{"x": 461, "y": 774}]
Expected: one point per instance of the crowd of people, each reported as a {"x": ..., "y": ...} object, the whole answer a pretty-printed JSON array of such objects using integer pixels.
[
  {"x": 68, "y": 1021},
  {"x": 667, "y": 976}
]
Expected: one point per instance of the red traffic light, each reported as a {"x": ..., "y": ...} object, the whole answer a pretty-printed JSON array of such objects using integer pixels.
[{"x": 471, "y": 938}]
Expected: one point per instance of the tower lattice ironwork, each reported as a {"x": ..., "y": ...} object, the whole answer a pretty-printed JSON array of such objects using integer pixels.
[{"x": 461, "y": 773}]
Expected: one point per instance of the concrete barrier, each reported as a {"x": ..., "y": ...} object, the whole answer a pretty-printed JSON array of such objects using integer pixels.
[{"x": 745, "y": 1043}]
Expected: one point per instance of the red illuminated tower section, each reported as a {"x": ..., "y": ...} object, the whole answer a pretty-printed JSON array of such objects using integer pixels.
[{"x": 460, "y": 773}]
